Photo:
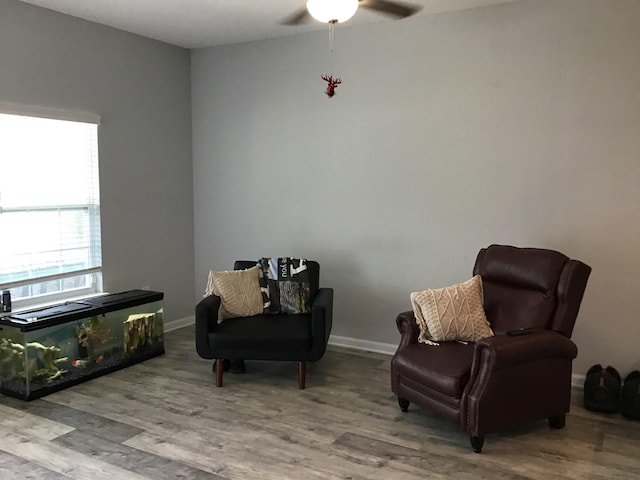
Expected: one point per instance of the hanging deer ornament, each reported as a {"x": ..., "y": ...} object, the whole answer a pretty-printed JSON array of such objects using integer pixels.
[{"x": 332, "y": 84}]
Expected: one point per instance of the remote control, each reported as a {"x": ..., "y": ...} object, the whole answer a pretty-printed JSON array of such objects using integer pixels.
[{"x": 519, "y": 331}]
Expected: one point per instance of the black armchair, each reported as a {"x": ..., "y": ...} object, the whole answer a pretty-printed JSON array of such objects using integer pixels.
[{"x": 302, "y": 337}]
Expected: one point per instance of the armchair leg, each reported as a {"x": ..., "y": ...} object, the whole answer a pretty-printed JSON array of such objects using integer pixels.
[
  {"x": 227, "y": 362},
  {"x": 477, "y": 441},
  {"x": 219, "y": 371},
  {"x": 404, "y": 404},
  {"x": 557, "y": 421},
  {"x": 302, "y": 374}
]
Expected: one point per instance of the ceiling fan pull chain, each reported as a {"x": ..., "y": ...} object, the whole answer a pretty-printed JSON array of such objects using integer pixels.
[
  {"x": 331, "y": 25},
  {"x": 332, "y": 82}
]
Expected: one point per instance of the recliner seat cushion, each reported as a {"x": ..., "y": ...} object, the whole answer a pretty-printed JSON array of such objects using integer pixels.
[{"x": 444, "y": 368}]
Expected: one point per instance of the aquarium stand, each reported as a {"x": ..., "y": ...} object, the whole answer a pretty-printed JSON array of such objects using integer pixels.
[{"x": 45, "y": 350}]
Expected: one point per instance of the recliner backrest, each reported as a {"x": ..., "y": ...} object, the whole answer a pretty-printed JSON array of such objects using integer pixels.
[
  {"x": 313, "y": 269},
  {"x": 521, "y": 286}
]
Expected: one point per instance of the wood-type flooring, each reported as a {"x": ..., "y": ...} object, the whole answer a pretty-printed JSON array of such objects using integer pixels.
[{"x": 165, "y": 419}]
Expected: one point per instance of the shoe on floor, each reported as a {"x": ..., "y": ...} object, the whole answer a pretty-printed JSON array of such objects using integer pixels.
[
  {"x": 630, "y": 400},
  {"x": 602, "y": 389},
  {"x": 237, "y": 366}
]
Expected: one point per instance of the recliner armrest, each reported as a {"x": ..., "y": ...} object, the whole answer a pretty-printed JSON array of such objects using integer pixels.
[
  {"x": 508, "y": 385},
  {"x": 206, "y": 321},
  {"x": 408, "y": 328},
  {"x": 509, "y": 351}
]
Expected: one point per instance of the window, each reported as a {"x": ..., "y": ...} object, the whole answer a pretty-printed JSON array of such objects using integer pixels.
[{"x": 50, "y": 245}]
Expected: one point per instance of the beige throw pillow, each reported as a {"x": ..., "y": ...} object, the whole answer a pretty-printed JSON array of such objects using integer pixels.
[
  {"x": 452, "y": 313},
  {"x": 239, "y": 293}
]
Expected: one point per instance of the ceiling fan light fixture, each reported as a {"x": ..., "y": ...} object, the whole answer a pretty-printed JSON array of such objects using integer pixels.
[{"x": 328, "y": 11}]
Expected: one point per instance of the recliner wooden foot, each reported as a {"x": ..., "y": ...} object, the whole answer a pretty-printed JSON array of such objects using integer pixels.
[
  {"x": 558, "y": 421},
  {"x": 404, "y": 404},
  {"x": 477, "y": 441}
]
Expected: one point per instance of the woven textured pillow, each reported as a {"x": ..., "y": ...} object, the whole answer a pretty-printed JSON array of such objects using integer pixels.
[
  {"x": 239, "y": 293},
  {"x": 452, "y": 313}
]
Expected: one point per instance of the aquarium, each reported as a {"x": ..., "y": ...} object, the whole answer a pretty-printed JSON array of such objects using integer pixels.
[{"x": 45, "y": 350}]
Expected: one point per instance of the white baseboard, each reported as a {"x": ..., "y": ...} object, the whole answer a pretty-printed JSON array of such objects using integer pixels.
[
  {"x": 179, "y": 323},
  {"x": 377, "y": 347},
  {"x": 577, "y": 381}
]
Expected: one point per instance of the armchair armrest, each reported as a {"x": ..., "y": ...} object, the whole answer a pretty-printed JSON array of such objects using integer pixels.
[
  {"x": 504, "y": 351},
  {"x": 206, "y": 322},
  {"x": 321, "y": 322},
  {"x": 408, "y": 328},
  {"x": 518, "y": 379}
]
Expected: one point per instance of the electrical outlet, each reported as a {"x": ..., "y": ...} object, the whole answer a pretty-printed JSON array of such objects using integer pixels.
[{"x": 146, "y": 287}]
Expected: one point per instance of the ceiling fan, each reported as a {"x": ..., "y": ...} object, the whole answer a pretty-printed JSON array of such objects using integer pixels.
[{"x": 338, "y": 11}]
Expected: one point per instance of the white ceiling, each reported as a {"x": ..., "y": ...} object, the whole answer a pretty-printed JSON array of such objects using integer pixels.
[{"x": 204, "y": 23}]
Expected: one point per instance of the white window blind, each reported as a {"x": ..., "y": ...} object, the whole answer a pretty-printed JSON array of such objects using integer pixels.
[{"x": 49, "y": 208}]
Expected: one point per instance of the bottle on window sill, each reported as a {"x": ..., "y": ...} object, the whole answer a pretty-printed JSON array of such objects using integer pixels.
[{"x": 6, "y": 301}]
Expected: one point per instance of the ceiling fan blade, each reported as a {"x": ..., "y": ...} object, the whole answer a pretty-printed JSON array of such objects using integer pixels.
[
  {"x": 400, "y": 10},
  {"x": 297, "y": 18}
]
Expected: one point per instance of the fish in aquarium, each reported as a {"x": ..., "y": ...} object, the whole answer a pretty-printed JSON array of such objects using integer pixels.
[
  {"x": 84, "y": 363},
  {"x": 80, "y": 363}
]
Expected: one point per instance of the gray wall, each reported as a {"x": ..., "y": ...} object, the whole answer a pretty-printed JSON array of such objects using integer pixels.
[
  {"x": 141, "y": 89},
  {"x": 514, "y": 124}
]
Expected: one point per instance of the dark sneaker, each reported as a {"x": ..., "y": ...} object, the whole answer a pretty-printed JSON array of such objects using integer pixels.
[
  {"x": 630, "y": 400},
  {"x": 602, "y": 389},
  {"x": 237, "y": 366}
]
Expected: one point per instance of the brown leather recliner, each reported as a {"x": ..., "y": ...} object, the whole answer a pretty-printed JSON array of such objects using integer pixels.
[{"x": 505, "y": 380}]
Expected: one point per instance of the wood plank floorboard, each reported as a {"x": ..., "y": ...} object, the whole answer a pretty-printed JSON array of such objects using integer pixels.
[
  {"x": 12, "y": 466},
  {"x": 165, "y": 419}
]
